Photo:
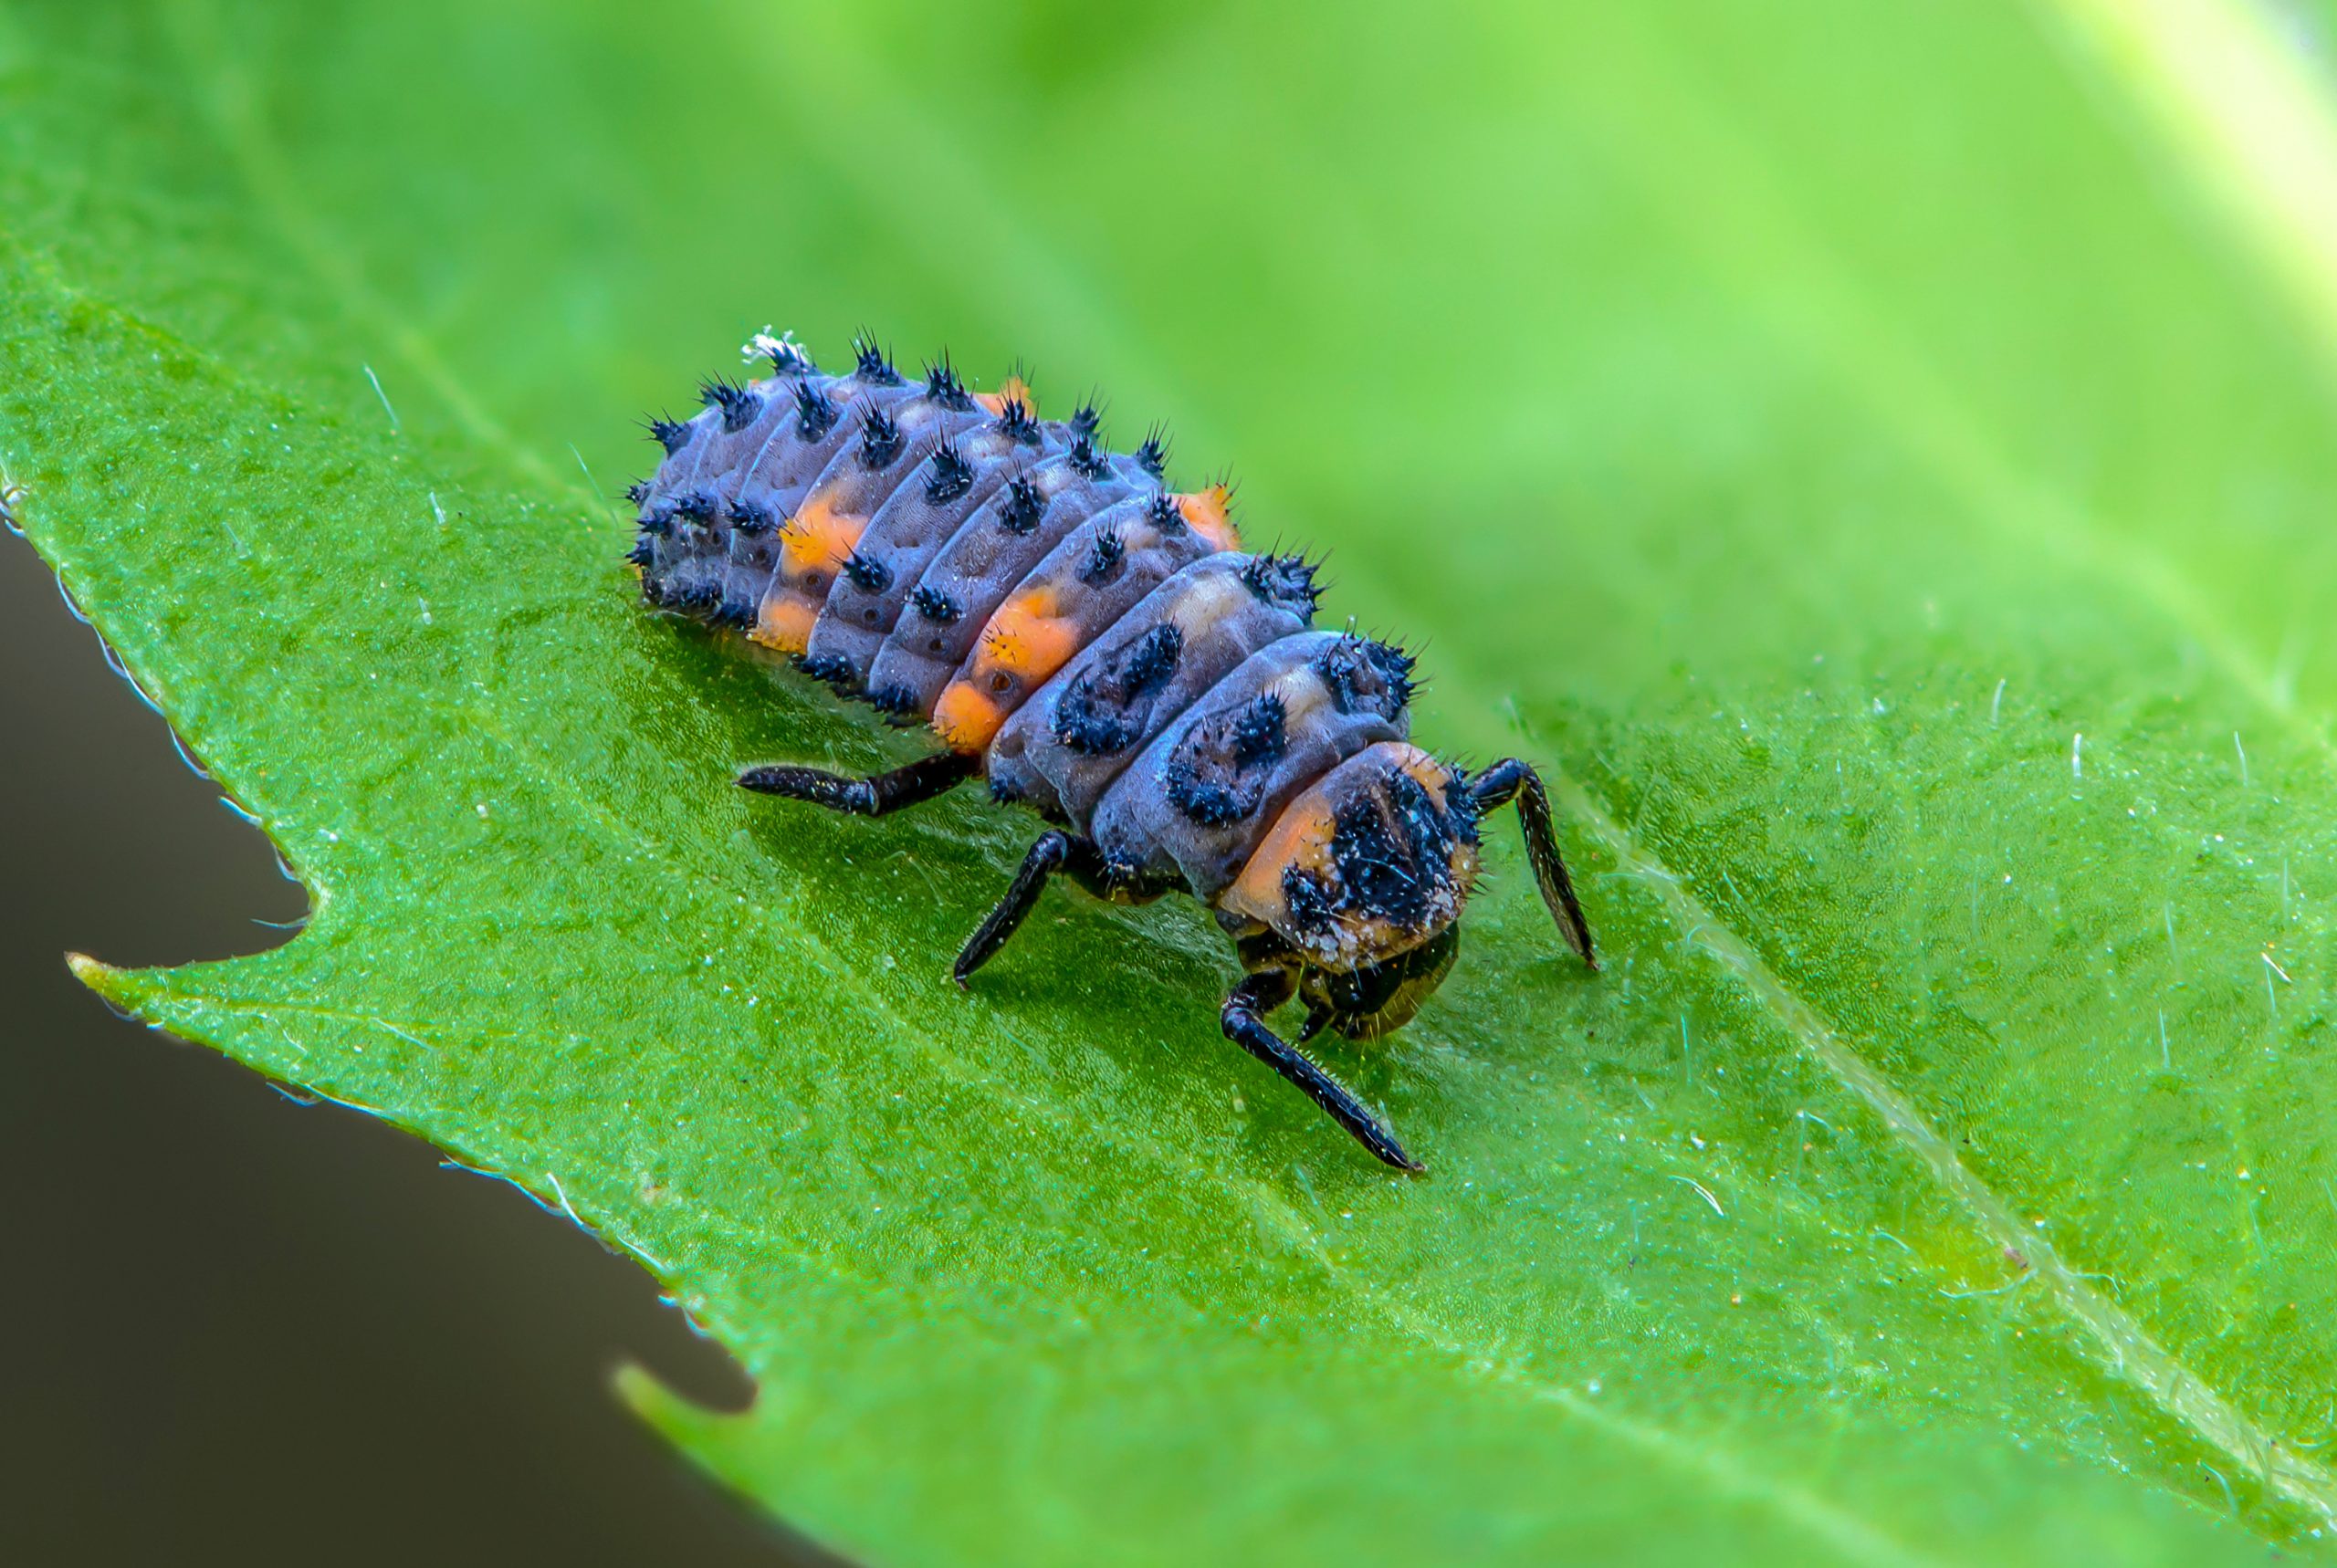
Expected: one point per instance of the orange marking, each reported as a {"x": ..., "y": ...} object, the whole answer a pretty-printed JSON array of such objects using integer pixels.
[
  {"x": 1210, "y": 513},
  {"x": 964, "y": 718},
  {"x": 784, "y": 622},
  {"x": 1025, "y": 638},
  {"x": 1022, "y": 643},
  {"x": 1014, "y": 389},
  {"x": 1432, "y": 775},
  {"x": 1300, "y": 836},
  {"x": 818, "y": 537}
]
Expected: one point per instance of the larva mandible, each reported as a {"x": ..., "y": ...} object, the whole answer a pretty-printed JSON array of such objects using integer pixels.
[{"x": 1100, "y": 649}]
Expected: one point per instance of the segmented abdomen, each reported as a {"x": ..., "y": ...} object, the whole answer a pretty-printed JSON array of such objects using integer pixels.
[{"x": 1102, "y": 644}]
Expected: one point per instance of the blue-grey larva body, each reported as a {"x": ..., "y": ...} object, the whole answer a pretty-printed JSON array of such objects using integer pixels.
[{"x": 1101, "y": 650}]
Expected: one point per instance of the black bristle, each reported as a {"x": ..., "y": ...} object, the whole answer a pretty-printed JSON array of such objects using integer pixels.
[
  {"x": 892, "y": 699},
  {"x": 696, "y": 505},
  {"x": 815, "y": 412},
  {"x": 1018, "y": 423},
  {"x": 1308, "y": 899},
  {"x": 934, "y": 605},
  {"x": 642, "y": 552},
  {"x": 1105, "y": 710},
  {"x": 867, "y": 573},
  {"x": 1103, "y": 556},
  {"x": 1025, "y": 506},
  {"x": 1222, "y": 781},
  {"x": 1153, "y": 455},
  {"x": 832, "y": 668},
  {"x": 1088, "y": 458},
  {"x": 1362, "y": 674},
  {"x": 1400, "y": 664},
  {"x": 951, "y": 475},
  {"x": 791, "y": 359},
  {"x": 1160, "y": 508},
  {"x": 1284, "y": 579},
  {"x": 880, "y": 440},
  {"x": 1148, "y": 665},
  {"x": 748, "y": 517},
  {"x": 659, "y": 521},
  {"x": 637, "y": 492},
  {"x": 874, "y": 364},
  {"x": 942, "y": 385},
  {"x": 739, "y": 404},
  {"x": 1087, "y": 419},
  {"x": 668, "y": 434},
  {"x": 1260, "y": 733}
]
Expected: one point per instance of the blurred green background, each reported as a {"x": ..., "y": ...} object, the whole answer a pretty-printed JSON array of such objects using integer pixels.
[{"x": 1880, "y": 451}]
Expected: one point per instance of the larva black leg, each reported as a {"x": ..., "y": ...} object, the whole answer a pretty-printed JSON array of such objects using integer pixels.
[
  {"x": 1056, "y": 850},
  {"x": 920, "y": 781},
  {"x": 1511, "y": 780},
  {"x": 1243, "y": 1020}
]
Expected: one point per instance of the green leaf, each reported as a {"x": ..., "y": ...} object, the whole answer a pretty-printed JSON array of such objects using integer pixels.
[{"x": 1878, "y": 454}]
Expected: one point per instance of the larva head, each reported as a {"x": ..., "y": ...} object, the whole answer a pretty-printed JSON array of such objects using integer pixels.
[{"x": 1364, "y": 874}]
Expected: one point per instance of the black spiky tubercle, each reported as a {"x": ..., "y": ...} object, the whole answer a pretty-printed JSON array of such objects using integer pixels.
[
  {"x": 1152, "y": 456},
  {"x": 943, "y": 385},
  {"x": 1089, "y": 459},
  {"x": 951, "y": 475},
  {"x": 1023, "y": 506},
  {"x": 671, "y": 434},
  {"x": 1362, "y": 671},
  {"x": 739, "y": 404},
  {"x": 1104, "y": 553},
  {"x": 1287, "y": 579},
  {"x": 871, "y": 364},
  {"x": 934, "y": 605},
  {"x": 815, "y": 412},
  {"x": 1018, "y": 423},
  {"x": 880, "y": 439}
]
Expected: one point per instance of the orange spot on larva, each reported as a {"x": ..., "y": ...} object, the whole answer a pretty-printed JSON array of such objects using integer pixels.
[
  {"x": 964, "y": 718},
  {"x": 1300, "y": 836},
  {"x": 1025, "y": 639},
  {"x": 784, "y": 622},
  {"x": 818, "y": 537},
  {"x": 1209, "y": 514},
  {"x": 1022, "y": 643}
]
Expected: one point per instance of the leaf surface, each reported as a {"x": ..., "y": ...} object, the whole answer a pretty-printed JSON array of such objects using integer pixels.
[{"x": 1860, "y": 447}]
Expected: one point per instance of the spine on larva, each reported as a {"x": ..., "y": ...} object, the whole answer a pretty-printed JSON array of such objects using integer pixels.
[{"x": 1101, "y": 644}]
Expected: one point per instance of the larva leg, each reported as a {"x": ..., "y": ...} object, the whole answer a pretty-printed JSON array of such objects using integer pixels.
[
  {"x": 1081, "y": 859},
  {"x": 1511, "y": 780},
  {"x": 1243, "y": 1020},
  {"x": 920, "y": 781}
]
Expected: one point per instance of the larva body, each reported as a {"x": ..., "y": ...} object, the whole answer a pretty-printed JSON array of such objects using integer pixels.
[{"x": 1102, "y": 650}]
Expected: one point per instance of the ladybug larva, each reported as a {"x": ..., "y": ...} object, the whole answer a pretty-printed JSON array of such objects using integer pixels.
[{"x": 1102, "y": 649}]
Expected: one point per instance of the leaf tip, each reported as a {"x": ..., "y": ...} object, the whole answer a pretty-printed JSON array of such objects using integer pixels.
[
  {"x": 91, "y": 972},
  {"x": 122, "y": 989}
]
